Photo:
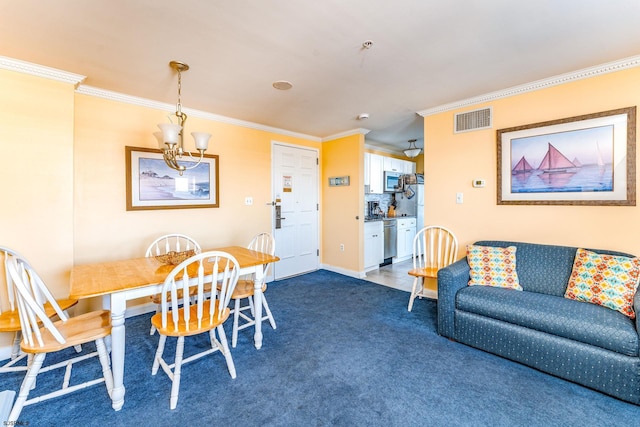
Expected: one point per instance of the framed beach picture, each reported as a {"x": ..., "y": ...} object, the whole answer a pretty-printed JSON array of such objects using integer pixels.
[
  {"x": 151, "y": 184},
  {"x": 583, "y": 160}
]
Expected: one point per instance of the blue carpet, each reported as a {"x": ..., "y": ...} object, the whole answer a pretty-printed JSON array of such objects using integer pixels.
[{"x": 346, "y": 353}]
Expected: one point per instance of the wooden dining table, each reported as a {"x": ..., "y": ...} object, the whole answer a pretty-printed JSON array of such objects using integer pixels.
[{"x": 120, "y": 281}]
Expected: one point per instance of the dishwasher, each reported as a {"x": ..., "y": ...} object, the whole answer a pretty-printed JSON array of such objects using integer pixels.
[{"x": 390, "y": 238}]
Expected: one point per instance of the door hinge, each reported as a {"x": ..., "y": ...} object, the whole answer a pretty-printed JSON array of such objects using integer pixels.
[
  {"x": 318, "y": 252},
  {"x": 317, "y": 161},
  {"x": 317, "y": 206}
]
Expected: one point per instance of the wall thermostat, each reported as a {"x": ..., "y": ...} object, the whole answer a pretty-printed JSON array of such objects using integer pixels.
[{"x": 478, "y": 183}]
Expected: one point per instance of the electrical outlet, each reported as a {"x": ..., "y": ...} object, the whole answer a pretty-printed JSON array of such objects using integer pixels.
[
  {"x": 248, "y": 201},
  {"x": 342, "y": 247},
  {"x": 459, "y": 198}
]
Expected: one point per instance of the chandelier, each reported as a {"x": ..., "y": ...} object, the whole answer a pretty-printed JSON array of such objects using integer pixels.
[
  {"x": 412, "y": 151},
  {"x": 170, "y": 139}
]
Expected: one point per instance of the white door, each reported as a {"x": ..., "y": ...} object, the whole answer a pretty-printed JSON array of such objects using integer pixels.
[{"x": 295, "y": 189}]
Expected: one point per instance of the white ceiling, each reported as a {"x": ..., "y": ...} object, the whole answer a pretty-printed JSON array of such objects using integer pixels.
[{"x": 425, "y": 53}]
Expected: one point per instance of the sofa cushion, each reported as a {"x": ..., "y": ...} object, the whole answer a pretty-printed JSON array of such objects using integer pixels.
[
  {"x": 587, "y": 323},
  {"x": 606, "y": 280},
  {"x": 493, "y": 266}
]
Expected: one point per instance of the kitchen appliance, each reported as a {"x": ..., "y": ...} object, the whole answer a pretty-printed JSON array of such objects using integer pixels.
[
  {"x": 373, "y": 209},
  {"x": 411, "y": 203},
  {"x": 392, "y": 181},
  {"x": 390, "y": 240}
]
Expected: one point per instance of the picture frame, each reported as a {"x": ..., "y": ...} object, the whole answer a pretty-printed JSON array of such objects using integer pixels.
[
  {"x": 152, "y": 184},
  {"x": 582, "y": 160}
]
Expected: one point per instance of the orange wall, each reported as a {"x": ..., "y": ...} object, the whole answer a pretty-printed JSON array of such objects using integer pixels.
[
  {"x": 104, "y": 229},
  {"x": 341, "y": 205},
  {"x": 453, "y": 161},
  {"x": 36, "y": 139}
]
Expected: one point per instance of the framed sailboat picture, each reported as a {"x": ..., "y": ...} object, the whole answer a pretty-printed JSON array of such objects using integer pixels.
[{"x": 583, "y": 160}]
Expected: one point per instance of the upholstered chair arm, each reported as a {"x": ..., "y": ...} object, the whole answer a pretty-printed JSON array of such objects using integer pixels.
[
  {"x": 636, "y": 309},
  {"x": 450, "y": 280}
]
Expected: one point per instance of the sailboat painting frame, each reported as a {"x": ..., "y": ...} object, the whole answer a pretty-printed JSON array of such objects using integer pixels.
[{"x": 582, "y": 160}]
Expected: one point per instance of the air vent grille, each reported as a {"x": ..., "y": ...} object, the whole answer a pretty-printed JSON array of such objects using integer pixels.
[{"x": 473, "y": 120}]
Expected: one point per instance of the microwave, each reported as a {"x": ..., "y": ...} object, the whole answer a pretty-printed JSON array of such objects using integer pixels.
[{"x": 392, "y": 182}]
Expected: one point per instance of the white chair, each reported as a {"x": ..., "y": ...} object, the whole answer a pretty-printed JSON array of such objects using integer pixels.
[
  {"x": 186, "y": 318},
  {"x": 263, "y": 242},
  {"x": 165, "y": 244},
  {"x": 40, "y": 336},
  {"x": 434, "y": 247},
  {"x": 10, "y": 319}
]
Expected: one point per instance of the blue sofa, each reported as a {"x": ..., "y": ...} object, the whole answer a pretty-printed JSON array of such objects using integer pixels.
[{"x": 581, "y": 342}]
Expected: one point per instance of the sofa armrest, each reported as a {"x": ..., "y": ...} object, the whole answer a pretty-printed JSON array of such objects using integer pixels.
[
  {"x": 636, "y": 308},
  {"x": 450, "y": 280}
]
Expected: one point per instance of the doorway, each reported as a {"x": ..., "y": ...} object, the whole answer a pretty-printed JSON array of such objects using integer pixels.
[{"x": 295, "y": 194}]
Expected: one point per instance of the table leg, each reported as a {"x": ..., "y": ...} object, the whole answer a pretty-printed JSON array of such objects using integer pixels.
[
  {"x": 257, "y": 301},
  {"x": 118, "y": 307}
]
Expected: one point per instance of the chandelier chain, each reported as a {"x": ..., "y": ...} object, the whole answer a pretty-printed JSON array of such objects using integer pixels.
[{"x": 179, "y": 106}]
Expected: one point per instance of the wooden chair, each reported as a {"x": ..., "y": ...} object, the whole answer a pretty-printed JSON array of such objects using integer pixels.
[
  {"x": 263, "y": 242},
  {"x": 10, "y": 319},
  {"x": 434, "y": 247},
  {"x": 163, "y": 245},
  {"x": 203, "y": 314},
  {"x": 67, "y": 332}
]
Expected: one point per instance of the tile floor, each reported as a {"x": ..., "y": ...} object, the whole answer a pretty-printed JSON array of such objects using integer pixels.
[{"x": 393, "y": 275}]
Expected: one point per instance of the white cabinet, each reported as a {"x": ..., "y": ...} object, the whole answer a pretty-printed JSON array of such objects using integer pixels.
[
  {"x": 376, "y": 174},
  {"x": 398, "y": 165},
  {"x": 374, "y": 167},
  {"x": 394, "y": 165},
  {"x": 367, "y": 171},
  {"x": 409, "y": 167},
  {"x": 373, "y": 244},
  {"x": 406, "y": 233}
]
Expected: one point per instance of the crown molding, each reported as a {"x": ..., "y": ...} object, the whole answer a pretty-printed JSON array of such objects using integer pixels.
[
  {"x": 40, "y": 71},
  {"x": 585, "y": 73},
  {"x": 143, "y": 102},
  {"x": 358, "y": 131}
]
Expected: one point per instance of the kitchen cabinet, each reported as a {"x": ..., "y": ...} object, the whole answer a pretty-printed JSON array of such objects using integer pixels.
[
  {"x": 406, "y": 233},
  {"x": 374, "y": 167},
  {"x": 376, "y": 174},
  {"x": 398, "y": 165},
  {"x": 392, "y": 164},
  {"x": 409, "y": 167},
  {"x": 373, "y": 244}
]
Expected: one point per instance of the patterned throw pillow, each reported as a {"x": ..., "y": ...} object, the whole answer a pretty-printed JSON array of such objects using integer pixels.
[
  {"x": 492, "y": 266},
  {"x": 607, "y": 280}
]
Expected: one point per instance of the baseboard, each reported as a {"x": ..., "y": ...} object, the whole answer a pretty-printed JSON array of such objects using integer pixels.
[
  {"x": 350, "y": 273},
  {"x": 5, "y": 351}
]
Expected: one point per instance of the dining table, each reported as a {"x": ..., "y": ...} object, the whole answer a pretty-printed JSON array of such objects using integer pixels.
[{"x": 123, "y": 280}]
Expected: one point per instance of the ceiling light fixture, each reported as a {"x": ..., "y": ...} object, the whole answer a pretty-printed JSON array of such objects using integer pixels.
[
  {"x": 170, "y": 139},
  {"x": 363, "y": 116},
  {"x": 412, "y": 151}
]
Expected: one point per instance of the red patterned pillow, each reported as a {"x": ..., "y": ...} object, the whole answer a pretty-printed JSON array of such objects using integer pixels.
[{"x": 607, "y": 280}]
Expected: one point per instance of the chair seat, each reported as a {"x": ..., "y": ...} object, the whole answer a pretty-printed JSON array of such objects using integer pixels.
[
  {"x": 77, "y": 330},
  {"x": 431, "y": 272},
  {"x": 10, "y": 320},
  {"x": 245, "y": 289},
  {"x": 208, "y": 322}
]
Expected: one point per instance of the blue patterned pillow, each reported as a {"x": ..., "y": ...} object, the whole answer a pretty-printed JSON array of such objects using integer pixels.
[
  {"x": 493, "y": 266},
  {"x": 607, "y": 280}
]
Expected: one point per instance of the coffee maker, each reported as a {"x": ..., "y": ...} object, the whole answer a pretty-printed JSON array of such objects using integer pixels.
[{"x": 373, "y": 209}]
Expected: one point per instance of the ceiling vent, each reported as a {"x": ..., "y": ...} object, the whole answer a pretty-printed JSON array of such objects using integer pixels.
[{"x": 472, "y": 120}]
